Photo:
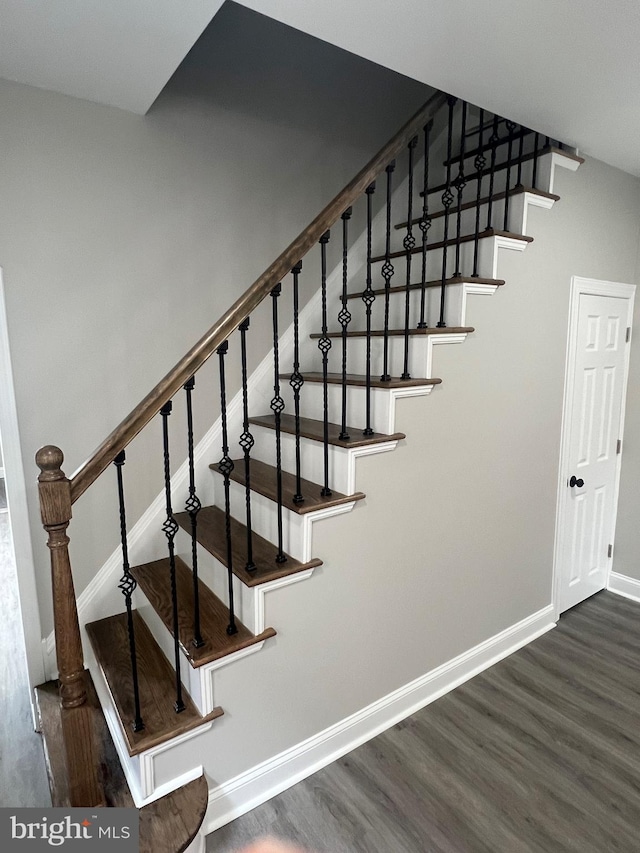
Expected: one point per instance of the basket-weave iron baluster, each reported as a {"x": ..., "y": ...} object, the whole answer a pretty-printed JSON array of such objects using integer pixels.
[{"x": 127, "y": 585}]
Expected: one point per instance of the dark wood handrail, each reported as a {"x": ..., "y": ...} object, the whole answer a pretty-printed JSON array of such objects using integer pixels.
[{"x": 90, "y": 470}]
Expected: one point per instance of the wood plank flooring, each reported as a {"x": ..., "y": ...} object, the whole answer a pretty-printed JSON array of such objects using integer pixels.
[{"x": 539, "y": 754}]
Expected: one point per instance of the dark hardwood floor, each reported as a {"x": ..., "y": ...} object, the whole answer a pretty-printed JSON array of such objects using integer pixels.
[
  {"x": 539, "y": 754},
  {"x": 23, "y": 776}
]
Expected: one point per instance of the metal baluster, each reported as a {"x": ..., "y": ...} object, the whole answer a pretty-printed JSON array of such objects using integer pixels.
[
  {"x": 520, "y": 153},
  {"x": 277, "y": 407},
  {"x": 408, "y": 244},
  {"x": 296, "y": 381},
  {"x": 246, "y": 443},
  {"x": 170, "y": 528},
  {"x": 127, "y": 585},
  {"x": 193, "y": 507},
  {"x": 424, "y": 225},
  {"x": 324, "y": 345},
  {"x": 460, "y": 183},
  {"x": 387, "y": 273},
  {"x": 510, "y": 125},
  {"x": 368, "y": 297},
  {"x": 344, "y": 318},
  {"x": 479, "y": 164},
  {"x": 493, "y": 142},
  {"x": 536, "y": 141},
  {"x": 225, "y": 467},
  {"x": 447, "y": 199}
]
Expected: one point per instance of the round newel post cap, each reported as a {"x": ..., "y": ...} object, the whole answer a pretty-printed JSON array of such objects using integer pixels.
[{"x": 49, "y": 460}]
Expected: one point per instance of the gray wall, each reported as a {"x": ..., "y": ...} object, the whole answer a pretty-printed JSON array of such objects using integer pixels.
[{"x": 123, "y": 238}]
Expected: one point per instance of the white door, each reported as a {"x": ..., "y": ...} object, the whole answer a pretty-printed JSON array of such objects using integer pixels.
[{"x": 597, "y": 364}]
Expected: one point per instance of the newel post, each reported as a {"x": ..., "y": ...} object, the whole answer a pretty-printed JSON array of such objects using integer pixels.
[{"x": 76, "y": 718}]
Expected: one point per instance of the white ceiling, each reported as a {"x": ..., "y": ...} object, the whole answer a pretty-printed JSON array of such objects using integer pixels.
[{"x": 569, "y": 68}]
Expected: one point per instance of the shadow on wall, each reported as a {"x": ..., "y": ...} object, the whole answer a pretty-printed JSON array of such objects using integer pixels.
[{"x": 301, "y": 78}]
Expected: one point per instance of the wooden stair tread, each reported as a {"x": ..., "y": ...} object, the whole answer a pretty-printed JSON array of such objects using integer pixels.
[
  {"x": 399, "y": 333},
  {"x": 314, "y": 430},
  {"x": 212, "y": 536},
  {"x": 166, "y": 825},
  {"x": 468, "y": 205},
  {"x": 110, "y": 640},
  {"x": 154, "y": 581},
  {"x": 263, "y": 479},
  {"x": 459, "y": 279},
  {"x": 465, "y": 238},
  {"x": 360, "y": 381}
]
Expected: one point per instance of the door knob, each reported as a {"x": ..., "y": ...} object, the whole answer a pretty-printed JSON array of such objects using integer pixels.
[{"x": 574, "y": 481}]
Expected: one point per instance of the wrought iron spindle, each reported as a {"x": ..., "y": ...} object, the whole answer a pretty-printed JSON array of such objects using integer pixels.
[
  {"x": 246, "y": 443},
  {"x": 324, "y": 345},
  {"x": 460, "y": 183},
  {"x": 425, "y": 225},
  {"x": 170, "y": 528},
  {"x": 510, "y": 125},
  {"x": 479, "y": 164},
  {"x": 447, "y": 199},
  {"x": 277, "y": 407},
  {"x": 127, "y": 585},
  {"x": 296, "y": 381},
  {"x": 408, "y": 244},
  {"x": 520, "y": 153},
  {"x": 344, "y": 318},
  {"x": 493, "y": 142},
  {"x": 193, "y": 507},
  {"x": 387, "y": 274},
  {"x": 225, "y": 467},
  {"x": 368, "y": 297},
  {"x": 534, "y": 177}
]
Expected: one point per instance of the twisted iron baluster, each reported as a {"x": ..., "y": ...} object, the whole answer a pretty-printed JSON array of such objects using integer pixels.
[
  {"x": 368, "y": 297},
  {"x": 424, "y": 225},
  {"x": 297, "y": 381},
  {"x": 520, "y": 152},
  {"x": 344, "y": 318},
  {"x": 408, "y": 244},
  {"x": 324, "y": 345},
  {"x": 277, "y": 407},
  {"x": 493, "y": 142},
  {"x": 534, "y": 178},
  {"x": 193, "y": 507},
  {"x": 387, "y": 273},
  {"x": 246, "y": 443},
  {"x": 510, "y": 125},
  {"x": 479, "y": 163},
  {"x": 447, "y": 199},
  {"x": 170, "y": 528},
  {"x": 225, "y": 467},
  {"x": 460, "y": 183},
  {"x": 127, "y": 585}
]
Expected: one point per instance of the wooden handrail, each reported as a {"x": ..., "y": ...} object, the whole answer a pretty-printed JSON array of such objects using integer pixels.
[{"x": 90, "y": 470}]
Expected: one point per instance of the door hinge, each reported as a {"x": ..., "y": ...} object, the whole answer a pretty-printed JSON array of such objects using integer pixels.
[
  {"x": 628, "y": 338},
  {"x": 619, "y": 446},
  {"x": 610, "y": 551}
]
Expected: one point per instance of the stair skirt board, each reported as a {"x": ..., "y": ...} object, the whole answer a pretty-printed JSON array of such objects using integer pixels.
[
  {"x": 264, "y": 781},
  {"x": 624, "y": 585}
]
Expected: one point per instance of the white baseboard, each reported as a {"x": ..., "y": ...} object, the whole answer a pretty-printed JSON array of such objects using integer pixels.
[
  {"x": 623, "y": 585},
  {"x": 257, "y": 785}
]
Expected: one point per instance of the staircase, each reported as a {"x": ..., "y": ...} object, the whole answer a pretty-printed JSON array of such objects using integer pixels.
[{"x": 396, "y": 256}]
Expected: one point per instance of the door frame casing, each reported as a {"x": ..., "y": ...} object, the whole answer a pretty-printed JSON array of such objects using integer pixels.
[
  {"x": 594, "y": 287},
  {"x": 18, "y": 509}
]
